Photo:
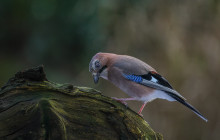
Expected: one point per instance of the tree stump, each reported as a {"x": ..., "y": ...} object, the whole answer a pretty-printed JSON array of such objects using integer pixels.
[{"x": 33, "y": 108}]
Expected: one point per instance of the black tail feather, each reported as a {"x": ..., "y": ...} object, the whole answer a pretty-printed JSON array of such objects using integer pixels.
[{"x": 182, "y": 101}]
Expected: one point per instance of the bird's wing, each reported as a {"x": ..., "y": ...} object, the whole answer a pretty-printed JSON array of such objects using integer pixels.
[
  {"x": 153, "y": 80},
  {"x": 146, "y": 77}
]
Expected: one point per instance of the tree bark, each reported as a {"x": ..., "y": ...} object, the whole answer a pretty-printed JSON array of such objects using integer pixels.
[{"x": 31, "y": 107}]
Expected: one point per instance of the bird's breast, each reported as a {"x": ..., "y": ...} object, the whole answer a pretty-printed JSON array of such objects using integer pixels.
[{"x": 131, "y": 88}]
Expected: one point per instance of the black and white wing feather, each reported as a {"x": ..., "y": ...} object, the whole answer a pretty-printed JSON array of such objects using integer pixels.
[
  {"x": 153, "y": 80},
  {"x": 158, "y": 82}
]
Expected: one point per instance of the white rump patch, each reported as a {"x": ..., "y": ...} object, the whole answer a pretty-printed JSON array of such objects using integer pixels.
[{"x": 157, "y": 94}]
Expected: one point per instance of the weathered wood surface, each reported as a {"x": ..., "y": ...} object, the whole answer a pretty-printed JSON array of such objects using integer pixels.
[{"x": 31, "y": 107}]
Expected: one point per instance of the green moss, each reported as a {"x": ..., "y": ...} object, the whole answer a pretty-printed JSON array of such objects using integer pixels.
[{"x": 46, "y": 110}]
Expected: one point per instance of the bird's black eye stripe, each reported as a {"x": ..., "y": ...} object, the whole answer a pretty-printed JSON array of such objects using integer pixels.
[{"x": 103, "y": 68}]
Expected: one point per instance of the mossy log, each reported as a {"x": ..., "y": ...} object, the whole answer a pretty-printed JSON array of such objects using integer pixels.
[{"x": 31, "y": 107}]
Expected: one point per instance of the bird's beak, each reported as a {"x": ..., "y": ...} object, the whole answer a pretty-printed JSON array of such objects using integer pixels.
[{"x": 95, "y": 77}]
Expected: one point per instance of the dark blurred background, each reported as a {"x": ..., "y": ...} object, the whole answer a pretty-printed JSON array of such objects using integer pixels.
[{"x": 180, "y": 39}]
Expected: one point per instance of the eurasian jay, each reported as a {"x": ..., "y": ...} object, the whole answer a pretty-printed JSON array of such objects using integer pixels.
[{"x": 136, "y": 78}]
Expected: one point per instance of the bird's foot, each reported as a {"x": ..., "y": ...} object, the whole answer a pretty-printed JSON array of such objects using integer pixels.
[
  {"x": 120, "y": 100},
  {"x": 141, "y": 115}
]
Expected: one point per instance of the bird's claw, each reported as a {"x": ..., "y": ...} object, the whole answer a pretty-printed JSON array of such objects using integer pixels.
[
  {"x": 141, "y": 115},
  {"x": 121, "y": 101}
]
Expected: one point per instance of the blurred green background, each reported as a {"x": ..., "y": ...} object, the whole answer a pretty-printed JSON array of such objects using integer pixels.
[{"x": 180, "y": 39}]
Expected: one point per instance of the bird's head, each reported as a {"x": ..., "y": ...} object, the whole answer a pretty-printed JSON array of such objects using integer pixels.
[{"x": 98, "y": 66}]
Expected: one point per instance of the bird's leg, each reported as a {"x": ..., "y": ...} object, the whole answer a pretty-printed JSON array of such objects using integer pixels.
[
  {"x": 142, "y": 107},
  {"x": 123, "y": 100}
]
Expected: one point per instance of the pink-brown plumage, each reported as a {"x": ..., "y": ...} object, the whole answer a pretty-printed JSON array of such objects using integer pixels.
[{"x": 136, "y": 78}]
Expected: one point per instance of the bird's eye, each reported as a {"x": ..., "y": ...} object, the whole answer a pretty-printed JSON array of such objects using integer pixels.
[{"x": 97, "y": 64}]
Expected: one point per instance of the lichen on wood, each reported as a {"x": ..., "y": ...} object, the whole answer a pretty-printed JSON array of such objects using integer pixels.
[{"x": 31, "y": 107}]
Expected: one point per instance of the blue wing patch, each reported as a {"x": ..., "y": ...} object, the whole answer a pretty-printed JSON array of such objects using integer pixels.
[
  {"x": 133, "y": 78},
  {"x": 156, "y": 78}
]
